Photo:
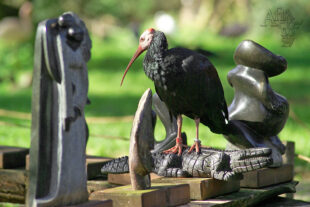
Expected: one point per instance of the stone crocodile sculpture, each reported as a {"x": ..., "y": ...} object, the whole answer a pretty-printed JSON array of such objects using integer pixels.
[{"x": 213, "y": 163}]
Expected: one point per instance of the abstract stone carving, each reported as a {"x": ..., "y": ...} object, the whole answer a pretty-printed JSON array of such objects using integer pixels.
[
  {"x": 255, "y": 104},
  {"x": 59, "y": 131}
]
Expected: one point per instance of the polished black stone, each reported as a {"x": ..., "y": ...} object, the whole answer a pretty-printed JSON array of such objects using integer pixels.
[{"x": 251, "y": 54}]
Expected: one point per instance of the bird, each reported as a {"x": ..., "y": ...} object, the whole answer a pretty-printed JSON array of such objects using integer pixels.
[{"x": 187, "y": 82}]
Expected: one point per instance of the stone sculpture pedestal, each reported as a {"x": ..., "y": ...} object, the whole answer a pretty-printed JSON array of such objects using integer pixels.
[
  {"x": 203, "y": 188},
  {"x": 158, "y": 195},
  {"x": 267, "y": 176},
  {"x": 124, "y": 179},
  {"x": 272, "y": 176}
]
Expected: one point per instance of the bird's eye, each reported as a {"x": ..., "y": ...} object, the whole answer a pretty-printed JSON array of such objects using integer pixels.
[{"x": 142, "y": 39}]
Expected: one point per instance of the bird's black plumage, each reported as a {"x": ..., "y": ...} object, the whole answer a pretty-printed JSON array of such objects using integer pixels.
[{"x": 187, "y": 82}]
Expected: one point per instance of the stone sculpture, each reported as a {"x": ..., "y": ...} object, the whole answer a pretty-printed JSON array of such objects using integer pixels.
[
  {"x": 218, "y": 164},
  {"x": 255, "y": 104},
  {"x": 212, "y": 163},
  {"x": 59, "y": 131},
  {"x": 257, "y": 113}
]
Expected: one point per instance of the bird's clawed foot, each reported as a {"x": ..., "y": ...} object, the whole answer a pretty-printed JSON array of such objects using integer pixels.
[
  {"x": 195, "y": 146},
  {"x": 177, "y": 148}
]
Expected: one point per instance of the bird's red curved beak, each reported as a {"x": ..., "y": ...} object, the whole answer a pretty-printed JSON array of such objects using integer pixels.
[{"x": 135, "y": 56}]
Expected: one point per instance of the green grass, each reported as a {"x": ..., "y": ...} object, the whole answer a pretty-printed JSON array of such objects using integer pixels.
[{"x": 109, "y": 59}]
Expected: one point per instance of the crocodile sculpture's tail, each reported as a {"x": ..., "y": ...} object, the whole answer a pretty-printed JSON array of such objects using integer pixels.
[
  {"x": 215, "y": 163},
  {"x": 249, "y": 159},
  {"x": 116, "y": 166}
]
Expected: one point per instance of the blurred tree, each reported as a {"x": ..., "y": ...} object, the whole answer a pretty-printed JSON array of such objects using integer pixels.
[{"x": 7, "y": 10}]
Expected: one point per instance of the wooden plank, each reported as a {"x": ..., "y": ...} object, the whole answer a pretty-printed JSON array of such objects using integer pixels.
[
  {"x": 175, "y": 194},
  {"x": 267, "y": 176},
  {"x": 124, "y": 178},
  {"x": 248, "y": 197},
  {"x": 125, "y": 196},
  {"x": 12, "y": 157},
  {"x": 203, "y": 188},
  {"x": 97, "y": 185},
  {"x": 103, "y": 203},
  {"x": 13, "y": 185}
]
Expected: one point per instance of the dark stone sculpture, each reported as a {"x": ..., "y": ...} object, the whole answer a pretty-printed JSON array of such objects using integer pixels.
[
  {"x": 218, "y": 164},
  {"x": 59, "y": 132},
  {"x": 213, "y": 163},
  {"x": 255, "y": 104}
]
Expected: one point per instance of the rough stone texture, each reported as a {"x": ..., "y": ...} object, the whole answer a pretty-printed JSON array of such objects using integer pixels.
[
  {"x": 267, "y": 176},
  {"x": 13, "y": 185},
  {"x": 57, "y": 171},
  {"x": 12, "y": 157},
  {"x": 247, "y": 197},
  {"x": 126, "y": 196},
  {"x": 141, "y": 144},
  {"x": 124, "y": 179},
  {"x": 203, "y": 188}
]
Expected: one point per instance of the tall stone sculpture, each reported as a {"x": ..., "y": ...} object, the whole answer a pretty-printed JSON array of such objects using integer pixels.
[
  {"x": 262, "y": 111},
  {"x": 59, "y": 130}
]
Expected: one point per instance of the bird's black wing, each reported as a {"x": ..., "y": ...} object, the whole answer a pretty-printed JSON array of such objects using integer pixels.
[{"x": 194, "y": 88}]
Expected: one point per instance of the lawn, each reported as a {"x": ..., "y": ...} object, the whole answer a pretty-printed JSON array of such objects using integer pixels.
[{"x": 110, "y": 113}]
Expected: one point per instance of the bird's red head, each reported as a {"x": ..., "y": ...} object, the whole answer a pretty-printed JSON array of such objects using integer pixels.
[{"x": 144, "y": 43}]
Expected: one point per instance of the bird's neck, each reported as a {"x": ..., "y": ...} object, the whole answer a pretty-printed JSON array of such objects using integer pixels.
[{"x": 155, "y": 55}]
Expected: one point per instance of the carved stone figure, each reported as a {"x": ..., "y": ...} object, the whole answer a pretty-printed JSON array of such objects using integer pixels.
[
  {"x": 212, "y": 163},
  {"x": 59, "y": 132},
  {"x": 255, "y": 104},
  {"x": 218, "y": 164}
]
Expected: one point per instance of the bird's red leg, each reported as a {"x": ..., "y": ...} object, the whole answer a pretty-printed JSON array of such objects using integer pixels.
[
  {"x": 196, "y": 145},
  {"x": 179, "y": 143}
]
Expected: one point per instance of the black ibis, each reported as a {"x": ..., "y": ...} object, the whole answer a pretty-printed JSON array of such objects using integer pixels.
[{"x": 186, "y": 81}]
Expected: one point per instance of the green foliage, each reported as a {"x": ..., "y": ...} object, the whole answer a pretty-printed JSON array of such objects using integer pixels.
[
  {"x": 15, "y": 58},
  {"x": 123, "y": 11}
]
